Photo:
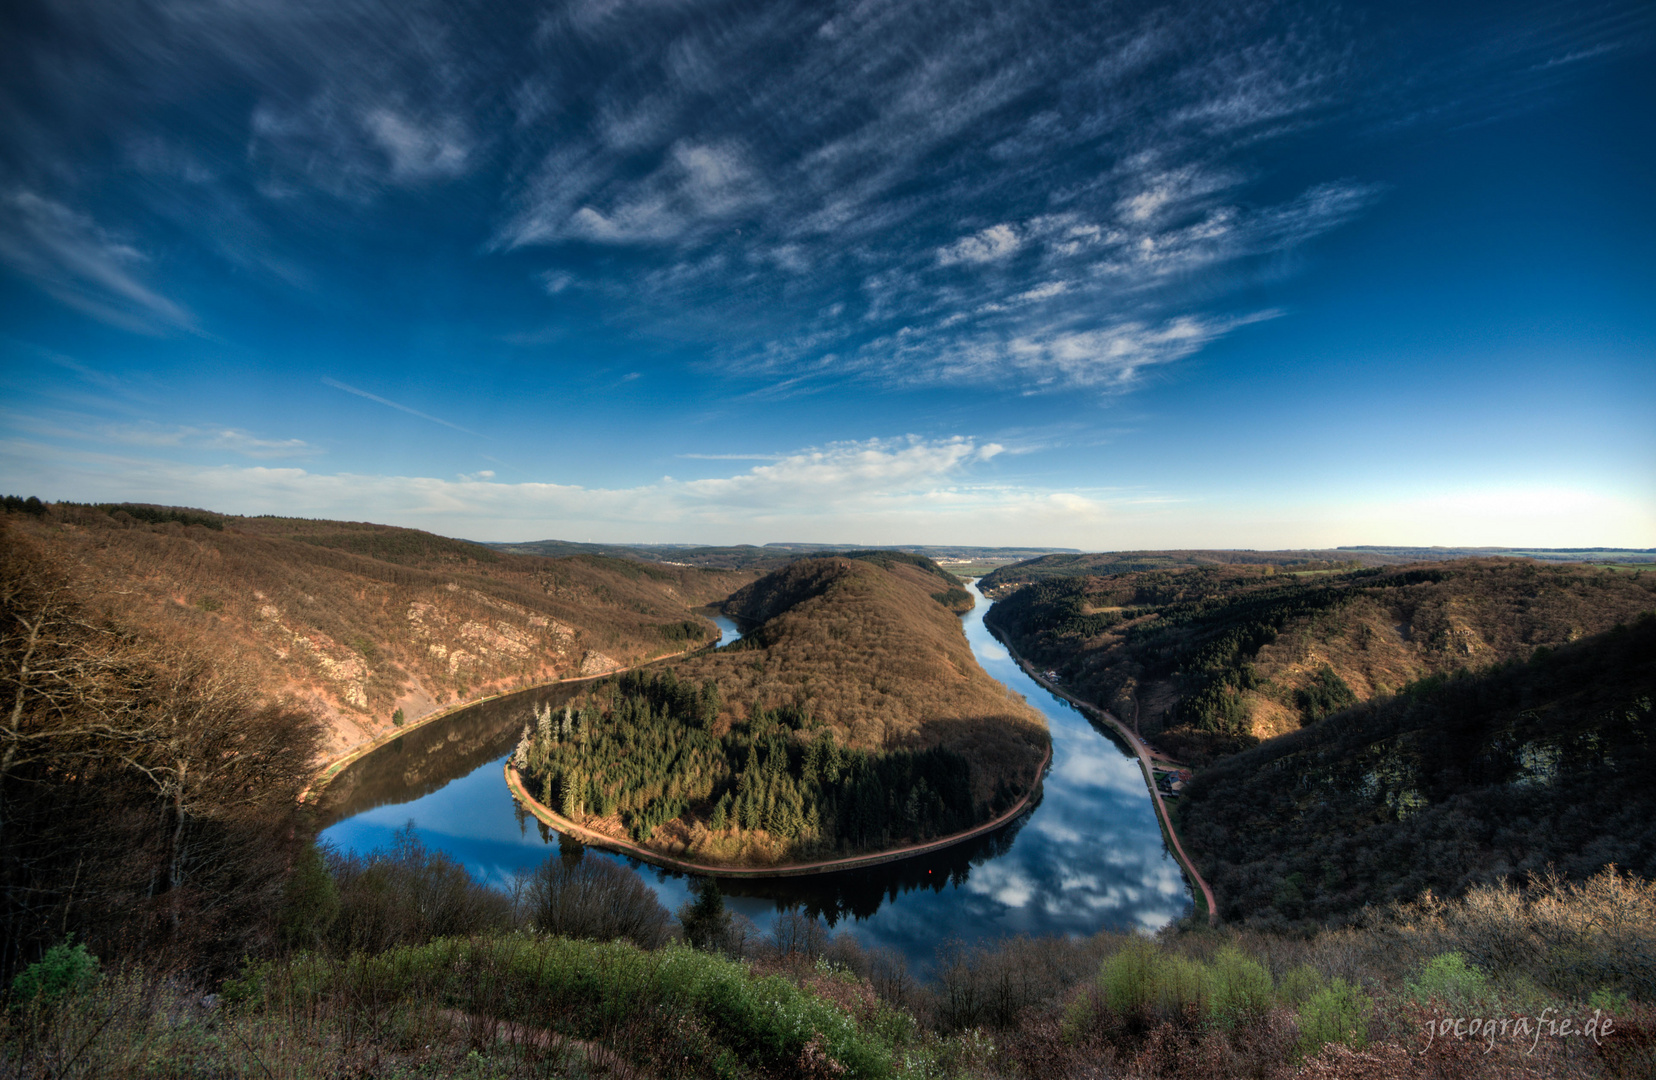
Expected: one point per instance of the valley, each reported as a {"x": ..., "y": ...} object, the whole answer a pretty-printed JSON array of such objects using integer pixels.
[{"x": 840, "y": 743}]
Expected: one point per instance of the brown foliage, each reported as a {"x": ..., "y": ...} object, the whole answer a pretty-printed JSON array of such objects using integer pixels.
[
  {"x": 876, "y": 658},
  {"x": 358, "y": 620}
]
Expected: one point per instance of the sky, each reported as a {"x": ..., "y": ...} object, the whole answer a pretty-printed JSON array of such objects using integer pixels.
[{"x": 1103, "y": 276}]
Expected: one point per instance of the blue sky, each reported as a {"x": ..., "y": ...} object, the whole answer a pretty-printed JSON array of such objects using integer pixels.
[{"x": 1088, "y": 275}]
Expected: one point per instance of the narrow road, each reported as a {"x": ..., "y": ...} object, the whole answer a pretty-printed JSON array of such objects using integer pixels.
[{"x": 1143, "y": 752}]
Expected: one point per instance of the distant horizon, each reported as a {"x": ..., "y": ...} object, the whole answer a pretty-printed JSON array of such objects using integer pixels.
[{"x": 831, "y": 545}]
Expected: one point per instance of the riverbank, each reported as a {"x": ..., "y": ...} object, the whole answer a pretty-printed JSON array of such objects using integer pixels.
[
  {"x": 329, "y": 771},
  {"x": 514, "y": 782},
  {"x": 1143, "y": 753}
]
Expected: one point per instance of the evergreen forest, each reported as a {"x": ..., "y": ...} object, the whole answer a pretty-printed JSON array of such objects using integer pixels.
[{"x": 646, "y": 748}]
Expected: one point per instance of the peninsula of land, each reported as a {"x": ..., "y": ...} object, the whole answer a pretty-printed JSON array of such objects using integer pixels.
[{"x": 849, "y": 723}]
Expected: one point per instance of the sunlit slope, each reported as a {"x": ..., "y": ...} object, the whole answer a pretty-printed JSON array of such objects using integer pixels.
[
  {"x": 1207, "y": 659},
  {"x": 358, "y": 620},
  {"x": 880, "y": 659}
]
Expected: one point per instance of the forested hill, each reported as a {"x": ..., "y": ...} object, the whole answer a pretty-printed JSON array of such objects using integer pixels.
[
  {"x": 1454, "y": 782},
  {"x": 852, "y": 717},
  {"x": 778, "y": 591},
  {"x": 1001, "y": 581},
  {"x": 354, "y": 621},
  {"x": 1207, "y": 660}
]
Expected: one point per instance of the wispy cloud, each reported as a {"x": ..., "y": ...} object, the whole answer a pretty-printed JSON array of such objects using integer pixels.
[
  {"x": 72, "y": 258},
  {"x": 968, "y": 200},
  {"x": 234, "y": 440},
  {"x": 720, "y": 175},
  {"x": 991, "y": 245},
  {"x": 88, "y": 429},
  {"x": 731, "y": 457},
  {"x": 349, "y": 389},
  {"x": 1111, "y": 357},
  {"x": 908, "y": 486},
  {"x": 884, "y": 491}
]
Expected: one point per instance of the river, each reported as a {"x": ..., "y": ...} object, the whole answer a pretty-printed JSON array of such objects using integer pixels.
[{"x": 1087, "y": 856}]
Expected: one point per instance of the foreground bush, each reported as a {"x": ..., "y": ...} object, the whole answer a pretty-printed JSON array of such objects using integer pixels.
[{"x": 524, "y": 1004}]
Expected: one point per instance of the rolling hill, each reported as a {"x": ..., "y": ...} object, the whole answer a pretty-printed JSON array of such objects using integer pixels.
[
  {"x": 1527, "y": 767},
  {"x": 356, "y": 621},
  {"x": 1206, "y": 660}
]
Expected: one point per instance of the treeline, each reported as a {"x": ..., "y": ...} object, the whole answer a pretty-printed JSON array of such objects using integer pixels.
[
  {"x": 681, "y": 632},
  {"x": 1456, "y": 781},
  {"x": 646, "y": 748},
  {"x": 17, "y": 504}
]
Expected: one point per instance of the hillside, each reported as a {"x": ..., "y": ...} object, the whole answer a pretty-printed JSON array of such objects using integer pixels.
[
  {"x": 850, "y": 718},
  {"x": 1454, "y": 782},
  {"x": 1001, "y": 581},
  {"x": 1207, "y": 660},
  {"x": 355, "y": 621}
]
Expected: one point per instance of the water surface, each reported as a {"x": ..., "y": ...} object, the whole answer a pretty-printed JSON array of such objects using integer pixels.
[{"x": 1087, "y": 856}]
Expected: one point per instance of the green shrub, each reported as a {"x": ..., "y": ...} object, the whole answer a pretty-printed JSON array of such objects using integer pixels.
[
  {"x": 1449, "y": 978},
  {"x": 1338, "y": 1013},
  {"x": 1239, "y": 987},
  {"x": 65, "y": 969},
  {"x": 1128, "y": 979},
  {"x": 249, "y": 986},
  {"x": 1142, "y": 977},
  {"x": 1611, "y": 1001},
  {"x": 1299, "y": 984},
  {"x": 1079, "y": 1016},
  {"x": 397, "y": 717},
  {"x": 310, "y": 902}
]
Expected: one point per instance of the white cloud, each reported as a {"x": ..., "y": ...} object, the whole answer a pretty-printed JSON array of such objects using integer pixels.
[
  {"x": 183, "y": 437},
  {"x": 695, "y": 185},
  {"x": 70, "y": 257},
  {"x": 885, "y": 489},
  {"x": 419, "y": 152},
  {"x": 1111, "y": 357},
  {"x": 990, "y": 245},
  {"x": 877, "y": 469},
  {"x": 1043, "y": 292},
  {"x": 337, "y": 144}
]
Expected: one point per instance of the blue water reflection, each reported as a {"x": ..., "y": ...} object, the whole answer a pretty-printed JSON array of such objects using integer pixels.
[{"x": 1089, "y": 856}]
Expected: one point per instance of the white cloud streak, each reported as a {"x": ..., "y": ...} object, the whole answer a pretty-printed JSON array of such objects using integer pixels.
[
  {"x": 69, "y": 256},
  {"x": 337, "y": 385}
]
